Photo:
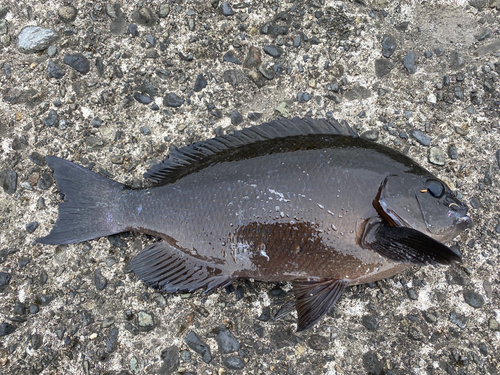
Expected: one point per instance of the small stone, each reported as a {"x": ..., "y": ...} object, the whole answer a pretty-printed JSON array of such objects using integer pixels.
[
  {"x": 282, "y": 109},
  {"x": 493, "y": 324},
  {"x": 234, "y": 363},
  {"x": 475, "y": 203},
  {"x": 273, "y": 51},
  {"x": 200, "y": 83},
  {"x": 52, "y": 51},
  {"x": 86, "y": 318},
  {"x": 409, "y": 63},
  {"x": 4, "y": 279},
  {"x": 151, "y": 40},
  {"x": 170, "y": 357},
  {"x": 45, "y": 181},
  {"x": 186, "y": 356},
  {"x": 112, "y": 340},
  {"x": 6, "y": 329},
  {"x": 78, "y": 62},
  {"x": 133, "y": 30},
  {"x": 172, "y": 100},
  {"x": 226, "y": 9},
  {"x": 229, "y": 57},
  {"x": 33, "y": 39},
  {"x": 31, "y": 227},
  {"x": 428, "y": 54},
  {"x": 473, "y": 299},
  {"x": 255, "y": 116},
  {"x": 34, "y": 309},
  {"x": 142, "y": 98},
  {"x": 8, "y": 181},
  {"x": 52, "y": 119},
  {"x": 144, "y": 16},
  {"x": 108, "y": 322},
  {"x": 253, "y": 58},
  {"x": 458, "y": 319},
  {"x": 164, "y": 10},
  {"x": 67, "y": 13},
  {"x": 437, "y": 156},
  {"x": 371, "y": 323},
  {"x": 193, "y": 341},
  {"x": 412, "y": 294},
  {"x": 383, "y": 67},
  {"x": 226, "y": 342},
  {"x": 36, "y": 341},
  {"x": 318, "y": 342},
  {"x": 303, "y": 97},
  {"x": 420, "y": 137},
  {"x": 54, "y": 71},
  {"x": 236, "y": 118},
  {"x": 452, "y": 152},
  {"x": 370, "y": 135},
  {"x": 99, "y": 280},
  {"x": 145, "y": 321},
  {"x": 38, "y": 159},
  {"x": 389, "y": 45}
]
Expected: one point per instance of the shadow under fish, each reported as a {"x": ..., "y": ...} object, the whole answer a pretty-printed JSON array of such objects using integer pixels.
[{"x": 300, "y": 200}]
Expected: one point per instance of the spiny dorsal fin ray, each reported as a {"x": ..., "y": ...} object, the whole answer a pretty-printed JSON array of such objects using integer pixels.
[{"x": 199, "y": 155}]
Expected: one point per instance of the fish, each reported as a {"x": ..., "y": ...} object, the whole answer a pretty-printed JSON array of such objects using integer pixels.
[{"x": 301, "y": 200}]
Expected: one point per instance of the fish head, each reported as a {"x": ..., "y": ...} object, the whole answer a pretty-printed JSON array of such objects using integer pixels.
[{"x": 424, "y": 203}]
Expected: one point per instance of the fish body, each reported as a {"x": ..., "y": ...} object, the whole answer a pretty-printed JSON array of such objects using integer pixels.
[{"x": 297, "y": 200}]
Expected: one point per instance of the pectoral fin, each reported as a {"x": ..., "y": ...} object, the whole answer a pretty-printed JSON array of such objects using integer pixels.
[
  {"x": 407, "y": 245},
  {"x": 315, "y": 299},
  {"x": 169, "y": 269}
]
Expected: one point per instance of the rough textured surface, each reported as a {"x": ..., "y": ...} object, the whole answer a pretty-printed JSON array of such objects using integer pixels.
[{"x": 79, "y": 309}]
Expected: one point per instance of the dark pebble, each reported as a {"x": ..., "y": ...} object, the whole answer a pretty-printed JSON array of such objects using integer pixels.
[
  {"x": 497, "y": 154},
  {"x": 145, "y": 321},
  {"x": 193, "y": 341},
  {"x": 45, "y": 181},
  {"x": 389, "y": 45},
  {"x": 409, "y": 63},
  {"x": 370, "y": 322},
  {"x": 96, "y": 122},
  {"x": 483, "y": 349},
  {"x": 236, "y": 118},
  {"x": 23, "y": 262},
  {"x": 229, "y": 57},
  {"x": 273, "y": 51},
  {"x": 142, "y": 98},
  {"x": 240, "y": 292},
  {"x": 99, "y": 64},
  {"x": 265, "y": 315},
  {"x": 31, "y": 227},
  {"x": 259, "y": 330},
  {"x": 459, "y": 93},
  {"x": 317, "y": 342},
  {"x": 255, "y": 116},
  {"x": 86, "y": 318},
  {"x": 19, "y": 308},
  {"x": 459, "y": 320},
  {"x": 151, "y": 40},
  {"x": 7, "y": 71},
  {"x": 234, "y": 363},
  {"x": 34, "y": 309},
  {"x": 172, "y": 100},
  {"x": 226, "y": 342},
  {"x": 303, "y": 97},
  {"x": 144, "y": 16},
  {"x": 112, "y": 340},
  {"x": 428, "y": 54},
  {"x": 474, "y": 299},
  {"x": 44, "y": 277},
  {"x": 78, "y": 62},
  {"x": 36, "y": 341},
  {"x": 117, "y": 71},
  {"x": 38, "y": 159},
  {"x": 6, "y": 329},
  {"x": 475, "y": 203},
  {"x": 420, "y": 137},
  {"x": 452, "y": 152},
  {"x": 226, "y": 9},
  {"x": 170, "y": 358},
  {"x": 383, "y": 67},
  {"x": 99, "y": 280},
  {"x": 412, "y": 294},
  {"x": 132, "y": 29},
  {"x": 4, "y": 279},
  {"x": 276, "y": 292},
  {"x": 200, "y": 83},
  {"x": 497, "y": 228},
  {"x": 253, "y": 58},
  {"x": 145, "y": 130},
  {"x": 116, "y": 241},
  {"x": 54, "y": 71},
  {"x": 296, "y": 41},
  {"x": 131, "y": 328},
  {"x": 154, "y": 107},
  {"x": 370, "y": 135},
  {"x": 51, "y": 119},
  {"x": 8, "y": 181}
]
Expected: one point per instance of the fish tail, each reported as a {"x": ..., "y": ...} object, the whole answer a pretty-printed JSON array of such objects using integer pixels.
[{"x": 88, "y": 207}]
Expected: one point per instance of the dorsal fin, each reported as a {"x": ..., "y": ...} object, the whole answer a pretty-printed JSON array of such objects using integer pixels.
[{"x": 199, "y": 155}]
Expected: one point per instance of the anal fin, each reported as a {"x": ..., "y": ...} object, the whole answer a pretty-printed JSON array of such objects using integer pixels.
[
  {"x": 315, "y": 299},
  {"x": 167, "y": 268}
]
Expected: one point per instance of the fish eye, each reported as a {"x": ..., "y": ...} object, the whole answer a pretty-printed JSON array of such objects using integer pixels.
[{"x": 435, "y": 188}]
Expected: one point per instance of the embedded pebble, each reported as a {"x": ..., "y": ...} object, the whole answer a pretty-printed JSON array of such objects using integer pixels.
[
  {"x": 303, "y": 97},
  {"x": 371, "y": 323},
  {"x": 389, "y": 45},
  {"x": 172, "y": 100},
  {"x": 78, "y": 62},
  {"x": 236, "y": 118},
  {"x": 54, "y": 71},
  {"x": 234, "y": 363},
  {"x": 473, "y": 299},
  {"x": 33, "y": 39},
  {"x": 142, "y": 98},
  {"x": 67, "y": 13},
  {"x": 99, "y": 280},
  {"x": 229, "y": 57},
  {"x": 437, "y": 156},
  {"x": 7, "y": 329},
  {"x": 226, "y": 341},
  {"x": 273, "y": 51},
  {"x": 8, "y": 181},
  {"x": 31, "y": 227},
  {"x": 370, "y": 135},
  {"x": 226, "y": 9},
  {"x": 45, "y": 181},
  {"x": 200, "y": 83},
  {"x": 409, "y": 63},
  {"x": 145, "y": 321},
  {"x": 170, "y": 358},
  {"x": 193, "y": 341},
  {"x": 112, "y": 340},
  {"x": 4, "y": 279}
]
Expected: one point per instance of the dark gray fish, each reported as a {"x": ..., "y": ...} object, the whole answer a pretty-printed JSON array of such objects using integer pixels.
[{"x": 299, "y": 200}]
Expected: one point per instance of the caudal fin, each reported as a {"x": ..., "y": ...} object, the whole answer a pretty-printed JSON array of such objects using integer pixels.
[{"x": 87, "y": 210}]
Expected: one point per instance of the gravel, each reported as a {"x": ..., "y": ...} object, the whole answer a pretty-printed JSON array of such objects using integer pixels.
[{"x": 205, "y": 68}]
